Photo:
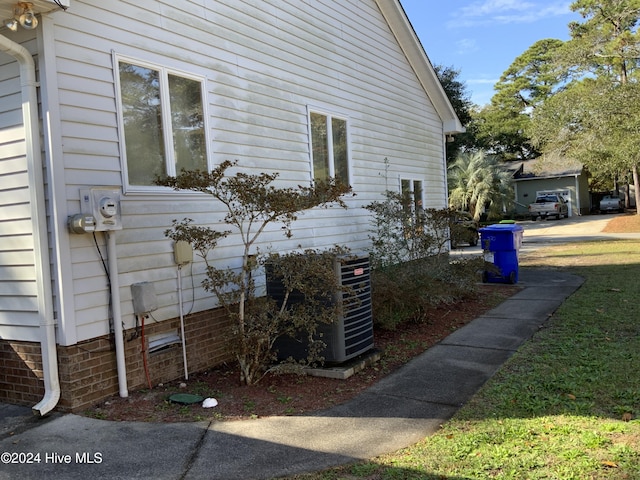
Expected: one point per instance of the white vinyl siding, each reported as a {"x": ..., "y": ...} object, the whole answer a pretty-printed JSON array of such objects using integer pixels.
[
  {"x": 19, "y": 308},
  {"x": 262, "y": 63}
]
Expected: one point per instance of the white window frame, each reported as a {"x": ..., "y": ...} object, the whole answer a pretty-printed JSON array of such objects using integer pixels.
[
  {"x": 412, "y": 184},
  {"x": 170, "y": 163},
  {"x": 330, "y": 114}
]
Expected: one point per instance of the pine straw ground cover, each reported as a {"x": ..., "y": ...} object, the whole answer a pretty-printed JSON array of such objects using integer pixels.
[
  {"x": 297, "y": 394},
  {"x": 624, "y": 224}
]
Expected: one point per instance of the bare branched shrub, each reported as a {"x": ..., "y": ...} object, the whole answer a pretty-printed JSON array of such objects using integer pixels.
[{"x": 252, "y": 203}]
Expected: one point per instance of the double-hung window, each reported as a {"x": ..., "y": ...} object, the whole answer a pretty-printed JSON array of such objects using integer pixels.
[
  {"x": 163, "y": 122},
  {"x": 413, "y": 202},
  {"x": 329, "y": 146},
  {"x": 413, "y": 194}
]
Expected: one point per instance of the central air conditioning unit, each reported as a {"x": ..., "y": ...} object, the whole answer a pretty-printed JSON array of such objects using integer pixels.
[{"x": 352, "y": 334}]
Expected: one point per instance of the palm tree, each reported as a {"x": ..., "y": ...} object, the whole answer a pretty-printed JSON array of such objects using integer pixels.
[{"x": 478, "y": 182}]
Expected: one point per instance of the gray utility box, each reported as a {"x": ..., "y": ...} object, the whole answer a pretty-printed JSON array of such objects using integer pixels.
[{"x": 144, "y": 298}]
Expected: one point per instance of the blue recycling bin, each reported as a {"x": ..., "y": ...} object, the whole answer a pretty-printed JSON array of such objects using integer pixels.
[{"x": 501, "y": 244}]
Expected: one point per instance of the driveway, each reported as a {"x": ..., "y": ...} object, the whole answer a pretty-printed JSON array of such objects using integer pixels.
[
  {"x": 568, "y": 230},
  {"x": 587, "y": 226},
  {"x": 546, "y": 232}
]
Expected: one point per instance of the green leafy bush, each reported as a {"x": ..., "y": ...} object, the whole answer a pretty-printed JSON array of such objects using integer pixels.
[
  {"x": 406, "y": 291},
  {"x": 308, "y": 287},
  {"x": 412, "y": 269}
]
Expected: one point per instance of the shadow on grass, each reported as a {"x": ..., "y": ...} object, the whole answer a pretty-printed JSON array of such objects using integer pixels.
[
  {"x": 564, "y": 405},
  {"x": 582, "y": 362}
]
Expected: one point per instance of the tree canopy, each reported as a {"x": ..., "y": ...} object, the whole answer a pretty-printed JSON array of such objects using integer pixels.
[
  {"x": 594, "y": 117},
  {"x": 461, "y": 102},
  {"x": 503, "y": 126}
]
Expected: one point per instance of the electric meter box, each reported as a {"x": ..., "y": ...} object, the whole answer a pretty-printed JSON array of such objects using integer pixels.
[{"x": 104, "y": 204}]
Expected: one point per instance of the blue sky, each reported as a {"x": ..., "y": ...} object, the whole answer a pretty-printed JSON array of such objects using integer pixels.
[{"x": 481, "y": 38}]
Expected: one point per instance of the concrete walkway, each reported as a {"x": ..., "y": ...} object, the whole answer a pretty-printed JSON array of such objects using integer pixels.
[{"x": 398, "y": 411}]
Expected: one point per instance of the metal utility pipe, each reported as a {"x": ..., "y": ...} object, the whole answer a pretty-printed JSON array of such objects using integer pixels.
[
  {"x": 117, "y": 314},
  {"x": 184, "y": 342}
]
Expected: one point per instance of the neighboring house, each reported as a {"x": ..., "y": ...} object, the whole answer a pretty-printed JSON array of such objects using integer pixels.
[
  {"x": 127, "y": 90},
  {"x": 568, "y": 178}
]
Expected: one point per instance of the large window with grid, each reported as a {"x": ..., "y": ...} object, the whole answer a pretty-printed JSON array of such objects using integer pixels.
[{"x": 163, "y": 121}]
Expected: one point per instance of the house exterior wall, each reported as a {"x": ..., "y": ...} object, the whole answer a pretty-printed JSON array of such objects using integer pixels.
[
  {"x": 584, "y": 195},
  {"x": 19, "y": 318},
  {"x": 20, "y": 372},
  {"x": 265, "y": 63},
  {"x": 87, "y": 370}
]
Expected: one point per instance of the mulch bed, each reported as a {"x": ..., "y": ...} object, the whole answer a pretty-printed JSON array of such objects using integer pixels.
[{"x": 290, "y": 394}]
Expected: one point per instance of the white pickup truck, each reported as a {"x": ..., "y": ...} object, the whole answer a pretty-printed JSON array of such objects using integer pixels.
[
  {"x": 611, "y": 203},
  {"x": 548, "y": 205}
]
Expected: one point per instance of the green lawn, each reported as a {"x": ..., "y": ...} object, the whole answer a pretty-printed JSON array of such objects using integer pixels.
[{"x": 565, "y": 406}]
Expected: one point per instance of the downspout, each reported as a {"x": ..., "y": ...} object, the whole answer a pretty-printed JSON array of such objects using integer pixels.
[
  {"x": 578, "y": 206},
  {"x": 445, "y": 175},
  {"x": 42, "y": 262}
]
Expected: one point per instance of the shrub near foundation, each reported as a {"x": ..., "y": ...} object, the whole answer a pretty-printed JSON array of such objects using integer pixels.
[
  {"x": 251, "y": 203},
  {"x": 412, "y": 269},
  {"x": 405, "y": 292},
  {"x": 564, "y": 406}
]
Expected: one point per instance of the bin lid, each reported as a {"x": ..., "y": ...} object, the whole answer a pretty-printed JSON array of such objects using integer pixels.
[
  {"x": 502, "y": 227},
  {"x": 185, "y": 398}
]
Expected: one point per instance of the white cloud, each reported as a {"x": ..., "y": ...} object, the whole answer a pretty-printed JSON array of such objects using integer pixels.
[
  {"x": 490, "y": 7},
  {"x": 492, "y": 12},
  {"x": 482, "y": 81},
  {"x": 465, "y": 46}
]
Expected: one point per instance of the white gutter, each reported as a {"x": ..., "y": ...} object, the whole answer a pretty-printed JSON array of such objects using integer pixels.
[{"x": 42, "y": 262}]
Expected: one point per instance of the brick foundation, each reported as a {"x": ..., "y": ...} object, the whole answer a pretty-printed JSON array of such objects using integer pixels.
[
  {"x": 20, "y": 373},
  {"x": 88, "y": 372}
]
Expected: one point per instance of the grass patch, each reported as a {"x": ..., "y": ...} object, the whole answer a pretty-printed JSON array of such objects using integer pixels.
[{"x": 565, "y": 406}]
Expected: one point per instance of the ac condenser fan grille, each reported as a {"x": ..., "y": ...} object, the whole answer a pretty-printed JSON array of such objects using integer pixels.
[{"x": 352, "y": 334}]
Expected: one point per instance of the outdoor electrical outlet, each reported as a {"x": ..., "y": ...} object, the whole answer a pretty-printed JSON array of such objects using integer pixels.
[{"x": 182, "y": 252}]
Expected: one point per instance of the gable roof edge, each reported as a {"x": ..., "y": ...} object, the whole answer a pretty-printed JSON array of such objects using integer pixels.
[{"x": 410, "y": 44}]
